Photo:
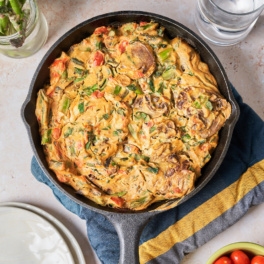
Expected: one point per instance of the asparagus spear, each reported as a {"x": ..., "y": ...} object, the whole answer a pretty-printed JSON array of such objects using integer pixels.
[
  {"x": 15, "y": 5},
  {"x": 3, "y": 24},
  {"x": 13, "y": 19}
]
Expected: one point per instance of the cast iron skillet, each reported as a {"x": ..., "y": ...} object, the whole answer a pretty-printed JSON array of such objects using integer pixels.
[{"x": 128, "y": 224}]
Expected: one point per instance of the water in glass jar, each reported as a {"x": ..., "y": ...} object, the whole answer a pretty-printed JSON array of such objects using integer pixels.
[{"x": 226, "y": 22}]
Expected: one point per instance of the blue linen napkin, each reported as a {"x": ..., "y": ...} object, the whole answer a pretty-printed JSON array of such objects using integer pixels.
[{"x": 237, "y": 185}]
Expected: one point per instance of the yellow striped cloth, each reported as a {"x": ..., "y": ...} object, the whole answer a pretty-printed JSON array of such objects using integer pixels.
[{"x": 205, "y": 214}]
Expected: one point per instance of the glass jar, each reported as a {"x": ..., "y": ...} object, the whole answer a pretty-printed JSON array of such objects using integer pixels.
[{"x": 36, "y": 34}]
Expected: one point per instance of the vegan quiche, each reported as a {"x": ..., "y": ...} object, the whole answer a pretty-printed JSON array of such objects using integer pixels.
[{"x": 129, "y": 117}]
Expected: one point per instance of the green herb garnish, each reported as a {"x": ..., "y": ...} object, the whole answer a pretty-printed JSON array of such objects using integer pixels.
[
  {"x": 209, "y": 105},
  {"x": 151, "y": 86},
  {"x": 117, "y": 90},
  {"x": 152, "y": 129},
  {"x": 185, "y": 138},
  {"x": 153, "y": 170},
  {"x": 89, "y": 90},
  {"x": 165, "y": 54},
  {"x": 197, "y": 105},
  {"x": 105, "y": 116},
  {"x": 81, "y": 107},
  {"x": 68, "y": 132},
  {"x": 135, "y": 89},
  {"x": 78, "y": 62},
  {"x": 46, "y": 138}
]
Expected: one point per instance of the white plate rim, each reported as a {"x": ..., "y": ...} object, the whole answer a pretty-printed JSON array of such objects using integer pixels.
[{"x": 69, "y": 239}]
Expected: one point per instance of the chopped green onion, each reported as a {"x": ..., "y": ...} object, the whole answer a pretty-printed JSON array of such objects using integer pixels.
[
  {"x": 78, "y": 62},
  {"x": 79, "y": 71},
  {"x": 207, "y": 157},
  {"x": 152, "y": 129},
  {"x": 81, "y": 107},
  {"x": 121, "y": 111},
  {"x": 141, "y": 115},
  {"x": 160, "y": 31},
  {"x": 131, "y": 130},
  {"x": 151, "y": 86},
  {"x": 105, "y": 116},
  {"x": 117, "y": 90},
  {"x": 138, "y": 157},
  {"x": 87, "y": 145},
  {"x": 128, "y": 27},
  {"x": 135, "y": 89},
  {"x": 64, "y": 75},
  {"x": 186, "y": 138},
  {"x": 106, "y": 128},
  {"x": 165, "y": 54},
  {"x": 117, "y": 132},
  {"x": 153, "y": 170},
  {"x": 120, "y": 194},
  {"x": 209, "y": 105},
  {"x": 138, "y": 202},
  {"x": 89, "y": 90},
  {"x": 66, "y": 104},
  {"x": 197, "y": 105},
  {"x": 72, "y": 150},
  {"x": 99, "y": 45},
  {"x": 79, "y": 79},
  {"x": 68, "y": 132},
  {"x": 111, "y": 33},
  {"x": 46, "y": 138},
  {"x": 169, "y": 74},
  {"x": 161, "y": 88}
]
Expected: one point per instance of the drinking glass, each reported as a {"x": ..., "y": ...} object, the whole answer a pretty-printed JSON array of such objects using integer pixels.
[
  {"x": 36, "y": 34},
  {"x": 227, "y": 22}
]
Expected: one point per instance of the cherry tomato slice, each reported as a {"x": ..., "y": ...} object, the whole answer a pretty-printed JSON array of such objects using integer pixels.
[
  {"x": 223, "y": 260},
  {"x": 101, "y": 30},
  {"x": 258, "y": 260},
  {"x": 122, "y": 46},
  {"x": 118, "y": 200},
  {"x": 239, "y": 257},
  {"x": 98, "y": 59}
]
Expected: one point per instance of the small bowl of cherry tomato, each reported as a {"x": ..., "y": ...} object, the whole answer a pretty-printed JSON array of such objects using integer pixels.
[{"x": 238, "y": 253}]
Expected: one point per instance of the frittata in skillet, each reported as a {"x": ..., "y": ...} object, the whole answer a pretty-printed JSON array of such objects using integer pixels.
[{"x": 130, "y": 117}]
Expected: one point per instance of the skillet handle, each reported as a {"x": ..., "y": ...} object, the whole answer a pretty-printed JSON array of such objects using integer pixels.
[{"x": 129, "y": 228}]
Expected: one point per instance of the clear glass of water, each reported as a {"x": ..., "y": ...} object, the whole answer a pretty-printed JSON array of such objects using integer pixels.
[
  {"x": 36, "y": 34},
  {"x": 227, "y": 22}
]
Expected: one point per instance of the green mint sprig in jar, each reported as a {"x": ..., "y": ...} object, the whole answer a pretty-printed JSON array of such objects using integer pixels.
[{"x": 23, "y": 28}]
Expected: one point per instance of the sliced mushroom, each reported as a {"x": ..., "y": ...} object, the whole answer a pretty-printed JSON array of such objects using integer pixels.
[
  {"x": 146, "y": 104},
  {"x": 137, "y": 61},
  {"x": 217, "y": 123}
]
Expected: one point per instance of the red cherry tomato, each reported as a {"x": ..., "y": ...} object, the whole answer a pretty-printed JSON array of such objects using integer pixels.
[
  {"x": 239, "y": 257},
  {"x": 223, "y": 260},
  {"x": 118, "y": 200},
  {"x": 123, "y": 45},
  {"x": 101, "y": 30},
  {"x": 56, "y": 132},
  {"x": 98, "y": 59},
  {"x": 257, "y": 260},
  {"x": 98, "y": 94}
]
